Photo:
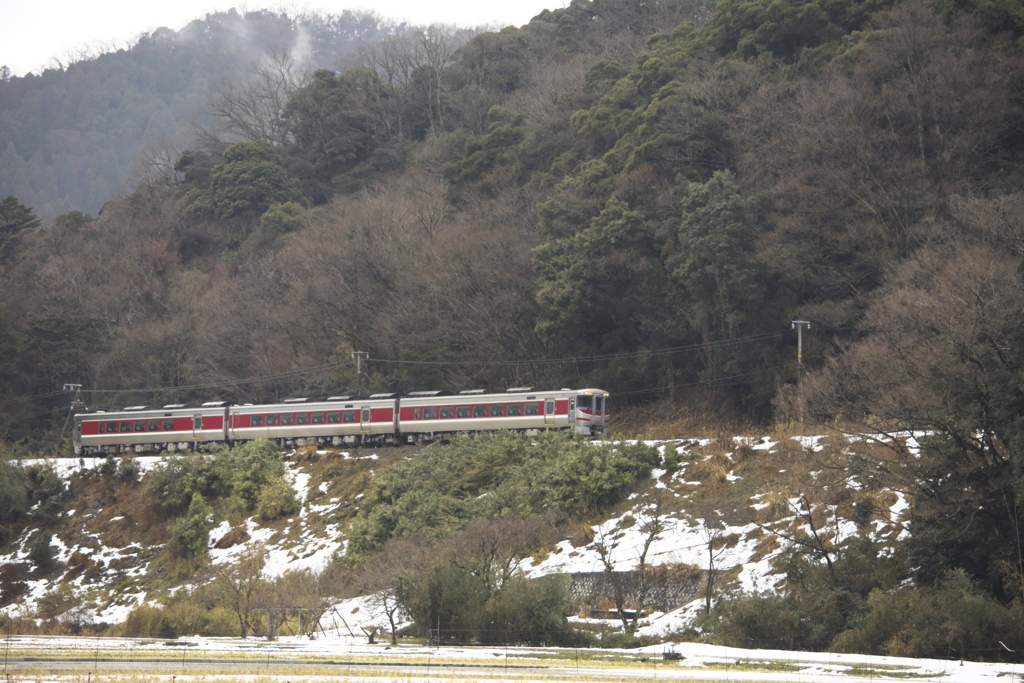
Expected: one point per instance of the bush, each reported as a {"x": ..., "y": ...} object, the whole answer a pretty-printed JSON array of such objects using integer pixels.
[
  {"x": 14, "y": 498},
  {"x": 147, "y": 621},
  {"x": 439, "y": 595},
  {"x": 529, "y": 612},
  {"x": 498, "y": 474},
  {"x": 178, "y": 480},
  {"x": 190, "y": 536},
  {"x": 277, "y": 500},
  {"x": 954, "y": 616},
  {"x": 41, "y": 552},
  {"x": 760, "y": 620},
  {"x": 253, "y": 465}
]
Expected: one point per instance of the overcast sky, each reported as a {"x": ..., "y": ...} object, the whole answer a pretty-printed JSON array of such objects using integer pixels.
[{"x": 35, "y": 32}]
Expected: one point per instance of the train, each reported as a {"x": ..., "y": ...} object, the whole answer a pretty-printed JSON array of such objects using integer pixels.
[{"x": 341, "y": 421}]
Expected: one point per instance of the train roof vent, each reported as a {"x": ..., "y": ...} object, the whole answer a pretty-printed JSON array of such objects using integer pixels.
[
  {"x": 215, "y": 404},
  {"x": 174, "y": 405},
  {"x": 566, "y": 389},
  {"x": 439, "y": 392},
  {"x": 339, "y": 398},
  {"x": 296, "y": 400},
  {"x": 473, "y": 391},
  {"x": 520, "y": 390},
  {"x": 137, "y": 408},
  {"x": 383, "y": 395}
]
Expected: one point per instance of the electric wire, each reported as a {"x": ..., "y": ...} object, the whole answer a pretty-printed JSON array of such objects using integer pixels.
[{"x": 647, "y": 353}]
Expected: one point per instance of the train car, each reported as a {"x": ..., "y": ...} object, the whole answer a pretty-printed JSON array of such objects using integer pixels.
[
  {"x": 381, "y": 419},
  {"x": 337, "y": 420},
  {"x": 141, "y": 428},
  {"x": 426, "y": 416}
]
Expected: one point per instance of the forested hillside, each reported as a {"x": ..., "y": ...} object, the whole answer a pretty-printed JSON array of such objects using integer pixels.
[
  {"x": 81, "y": 133},
  {"x": 637, "y": 197}
]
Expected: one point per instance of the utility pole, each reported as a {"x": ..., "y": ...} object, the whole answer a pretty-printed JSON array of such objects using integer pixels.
[
  {"x": 360, "y": 356},
  {"x": 799, "y": 325},
  {"x": 76, "y": 403}
]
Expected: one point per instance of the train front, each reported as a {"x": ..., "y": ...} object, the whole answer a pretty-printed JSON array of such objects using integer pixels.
[{"x": 592, "y": 412}]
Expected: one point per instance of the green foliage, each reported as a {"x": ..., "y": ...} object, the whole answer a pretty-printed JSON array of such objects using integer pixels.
[
  {"x": 190, "y": 535},
  {"x": 147, "y": 621},
  {"x": 253, "y": 465},
  {"x": 249, "y": 180},
  {"x": 953, "y": 616},
  {"x": 529, "y": 612},
  {"x": 767, "y": 620},
  {"x": 56, "y": 602},
  {"x": 15, "y": 218},
  {"x": 14, "y": 496},
  {"x": 175, "y": 481},
  {"x": 439, "y": 492},
  {"x": 443, "y": 596},
  {"x": 241, "y": 473},
  {"x": 48, "y": 492},
  {"x": 275, "y": 223},
  {"x": 783, "y": 28},
  {"x": 40, "y": 553},
  {"x": 335, "y": 130},
  {"x": 277, "y": 500},
  {"x": 815, "y": 605}
]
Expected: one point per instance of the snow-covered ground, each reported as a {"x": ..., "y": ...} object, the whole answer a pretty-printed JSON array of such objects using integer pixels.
[
  {"x": 695, "y": 661},
  {"x": 681, "y": 539}
]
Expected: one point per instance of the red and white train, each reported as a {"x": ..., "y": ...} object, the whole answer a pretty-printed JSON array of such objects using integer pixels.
[{"x": 381, "y": 419}]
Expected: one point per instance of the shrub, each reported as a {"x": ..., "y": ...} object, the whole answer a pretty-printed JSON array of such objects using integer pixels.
[
  {"x": 147, "y": 621},
  {"x": 253, "y": 465},
  {"x": 501, "y": 474},
  {"x": 277, "y": 500},
  {"x": 529, "y": 612},
  {"x": 190, "y": 536},
  {"x": 41, "y": 552},
  {"x": 177, "y": 481},
  {"x": 14, "y": 498}
]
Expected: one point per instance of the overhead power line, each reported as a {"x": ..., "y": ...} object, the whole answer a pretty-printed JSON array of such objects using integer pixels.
[{"x": 647, "y": 353}]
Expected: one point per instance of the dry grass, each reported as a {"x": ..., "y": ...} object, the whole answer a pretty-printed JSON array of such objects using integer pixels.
[{"x": 667, "y": 420}]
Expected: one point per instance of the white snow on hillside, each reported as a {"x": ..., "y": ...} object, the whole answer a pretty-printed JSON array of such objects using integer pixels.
[{"x": 682, "y": 540}]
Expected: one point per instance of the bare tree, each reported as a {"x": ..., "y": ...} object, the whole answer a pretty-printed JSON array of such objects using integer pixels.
[
  {"x": 236, "y": 585},
  {"x": 651, "y": 524},
  {"x": 257, "y": 109}
]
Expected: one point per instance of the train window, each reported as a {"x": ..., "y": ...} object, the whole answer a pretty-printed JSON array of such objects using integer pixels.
[
  {"x": 255, "y": 420},
  {"x": 197, "y": 423},
  {"x": 366, "y": 415},
  {"x": 348, "y": 416},
  {"x": 154, "y": 425},
  {"x": 531, "y": 409},
  {"x": 333, "y": 418},
  {"x": 479, "y": 411},
  {"x": 140, "y": 426},
  {"x": 497, "y": 410},
  {"x": 272, "y": 420},
  {"x": 126, "y": 426},
  {"x": 301, "y": 418},
  {"x": 549, "y": 406},
  {"x": 168, "y": 425},
  {"x": 445, "y": 412},
  {"x": 287, "y": 418},
  {"x": 316, "y": 418},
  {"x": 462, "y": 411},
  {"x": 111, "y": 427},
  {"x": 584, "y": 402},
  {"x": 515, "y": 409},
  {"x": 415, "y": 413},
  {"x": 429, "y": 413}
]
